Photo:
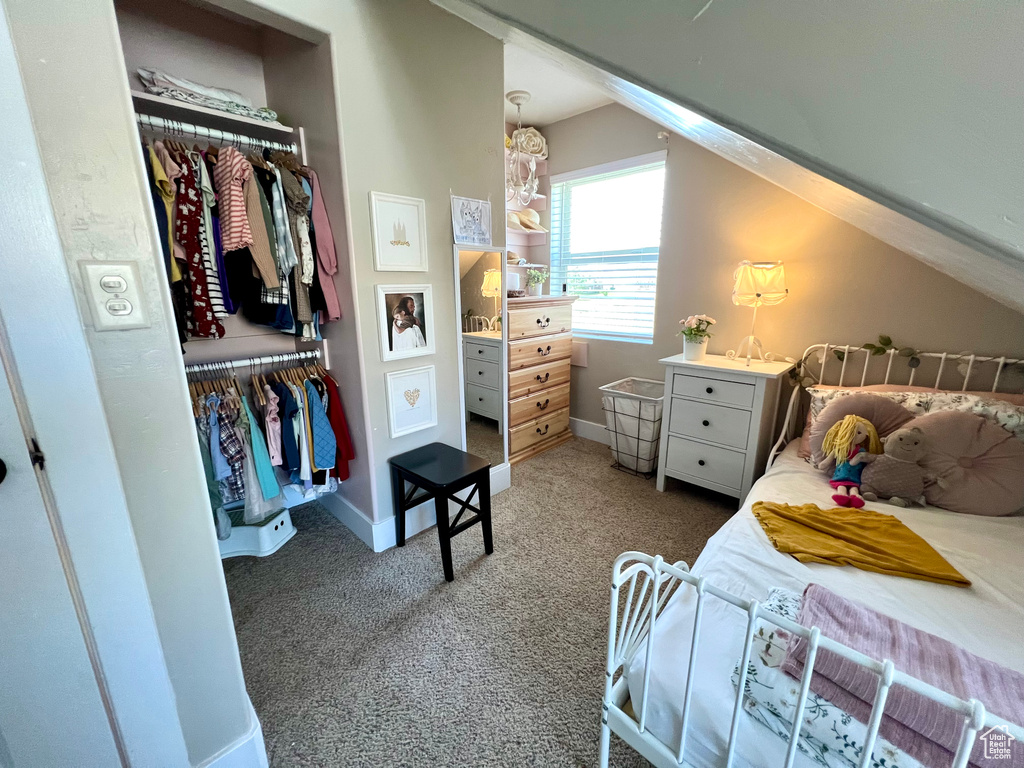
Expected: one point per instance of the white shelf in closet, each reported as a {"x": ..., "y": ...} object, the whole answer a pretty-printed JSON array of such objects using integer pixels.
[
  {"x": 518, "y": 237},
  {"x": 171, "y": 109}
]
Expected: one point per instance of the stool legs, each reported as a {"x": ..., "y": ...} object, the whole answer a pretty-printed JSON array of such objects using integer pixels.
[
  {"x": 484, "y": 492},
  {"x": 398, "y": 501},
  {"x": 444, "y": 535}
]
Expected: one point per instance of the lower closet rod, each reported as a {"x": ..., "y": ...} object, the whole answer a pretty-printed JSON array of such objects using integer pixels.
[{"x": 290, "y": 357}]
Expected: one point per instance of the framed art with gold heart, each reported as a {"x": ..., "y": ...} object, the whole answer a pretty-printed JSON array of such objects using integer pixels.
[{"x": 412, "y": 400}]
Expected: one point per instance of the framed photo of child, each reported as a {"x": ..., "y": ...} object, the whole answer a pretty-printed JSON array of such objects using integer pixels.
[{"x": 406, "y": 321}]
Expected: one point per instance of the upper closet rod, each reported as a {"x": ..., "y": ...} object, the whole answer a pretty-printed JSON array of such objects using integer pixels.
[
  {"x": 290, "y": 357},
  {"x": 177, "y": 128}
]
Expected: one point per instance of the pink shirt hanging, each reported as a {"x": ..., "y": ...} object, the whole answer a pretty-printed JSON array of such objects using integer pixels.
[
  {"x": 325, "y": 253},
  {"x": 230, "y": 172}
]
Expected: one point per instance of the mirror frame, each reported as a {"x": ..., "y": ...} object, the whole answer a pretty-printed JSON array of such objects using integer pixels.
[{"x": 504, "y": 467}]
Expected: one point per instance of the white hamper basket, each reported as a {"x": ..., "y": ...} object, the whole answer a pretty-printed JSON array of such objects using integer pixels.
[{"x": 632, "y": 413}]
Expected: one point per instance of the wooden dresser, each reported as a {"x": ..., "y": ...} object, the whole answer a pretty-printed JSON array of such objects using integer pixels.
[{"x": 539, "y": 347}]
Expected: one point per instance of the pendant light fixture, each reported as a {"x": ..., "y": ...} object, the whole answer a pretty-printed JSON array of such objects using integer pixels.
[{"x": 517, "y": 186}]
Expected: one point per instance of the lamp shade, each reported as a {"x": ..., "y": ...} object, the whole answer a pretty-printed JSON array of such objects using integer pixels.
[
  {"x": 759, "y": 283},
  {"x": 492, "y": 284}
]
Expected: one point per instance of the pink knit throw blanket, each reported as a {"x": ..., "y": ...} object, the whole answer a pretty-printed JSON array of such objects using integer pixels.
[{"x": 919, "y": 726}]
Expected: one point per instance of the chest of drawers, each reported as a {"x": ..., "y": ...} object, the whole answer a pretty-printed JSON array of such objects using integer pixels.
[
  {"x": 719, "y": 421},
  {"x": 539, "y": 348},
  {"x": 482, "y": 357}
]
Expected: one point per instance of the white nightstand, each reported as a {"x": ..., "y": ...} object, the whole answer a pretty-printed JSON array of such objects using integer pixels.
[{"x": 718, "y": 422}]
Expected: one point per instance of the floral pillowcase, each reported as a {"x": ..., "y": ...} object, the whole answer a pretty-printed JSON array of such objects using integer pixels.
[{"x": 1007, "y": 415}]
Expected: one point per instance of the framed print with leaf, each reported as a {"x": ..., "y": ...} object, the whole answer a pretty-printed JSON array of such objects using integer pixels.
[
  {"x": 399, "y": 229},
  {"x": 412, "y": 400}
]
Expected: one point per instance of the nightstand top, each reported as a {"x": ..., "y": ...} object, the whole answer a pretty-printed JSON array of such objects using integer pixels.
[{"x": 710, "y": 363}]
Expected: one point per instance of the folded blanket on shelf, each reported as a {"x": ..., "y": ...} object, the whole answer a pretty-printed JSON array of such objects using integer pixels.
[
  {"x": 864, "y": 539},
  {"x": 924, "y": 729},
  {"x": 828, "y": 735}
]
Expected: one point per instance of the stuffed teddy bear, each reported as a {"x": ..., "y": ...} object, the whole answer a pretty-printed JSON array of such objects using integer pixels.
[{"x": 897, "y": 475}]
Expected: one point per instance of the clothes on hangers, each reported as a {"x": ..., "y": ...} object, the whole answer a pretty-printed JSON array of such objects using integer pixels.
[
  {"x": 326, "y": 255},
  {"x": 200, "y": 320}
]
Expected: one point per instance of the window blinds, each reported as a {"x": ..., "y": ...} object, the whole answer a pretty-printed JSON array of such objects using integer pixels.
[{"x": 605, "y": 240}]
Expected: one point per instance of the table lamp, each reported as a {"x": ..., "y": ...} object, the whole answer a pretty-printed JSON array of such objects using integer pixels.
[
  {"x": 491, "y": 289},
  {"x": 757, "y": 283}
]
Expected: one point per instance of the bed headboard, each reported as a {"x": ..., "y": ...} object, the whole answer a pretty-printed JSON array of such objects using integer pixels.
[{"x": 848, "y": 365}]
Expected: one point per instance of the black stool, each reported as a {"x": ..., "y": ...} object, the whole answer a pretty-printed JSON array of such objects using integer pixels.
[{"x": 438, "y": 471}]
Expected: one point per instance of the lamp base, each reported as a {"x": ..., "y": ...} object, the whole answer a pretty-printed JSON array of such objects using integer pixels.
[{"x": 751, "y": 344}]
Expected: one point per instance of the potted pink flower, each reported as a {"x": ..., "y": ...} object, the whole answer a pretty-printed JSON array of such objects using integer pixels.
[{"x": 696, "y": 332}]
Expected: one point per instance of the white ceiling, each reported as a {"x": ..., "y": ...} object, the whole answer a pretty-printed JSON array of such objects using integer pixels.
[{"x": 555, "y": 93}]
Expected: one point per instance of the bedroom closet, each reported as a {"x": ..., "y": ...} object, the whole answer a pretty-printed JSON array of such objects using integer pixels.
[{"x": 240, "y": 147}]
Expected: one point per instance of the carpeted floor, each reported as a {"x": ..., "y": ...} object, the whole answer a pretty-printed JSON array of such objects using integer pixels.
[
  {"x": 361, "y": 659},
  {"x": 483, "y": 440}
]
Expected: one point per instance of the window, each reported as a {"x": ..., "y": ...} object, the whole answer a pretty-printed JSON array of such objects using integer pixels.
[{"x": 605, "y": 238}]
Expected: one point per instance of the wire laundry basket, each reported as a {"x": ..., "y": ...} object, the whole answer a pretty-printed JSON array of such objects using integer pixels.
[{"x": 632, "y": 414}]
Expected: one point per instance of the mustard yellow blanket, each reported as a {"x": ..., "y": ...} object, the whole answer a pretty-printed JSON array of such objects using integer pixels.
[{"x": 864, "y": 539}]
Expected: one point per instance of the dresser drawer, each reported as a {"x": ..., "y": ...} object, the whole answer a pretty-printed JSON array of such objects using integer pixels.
[
  {"x": 477, "y": 351},
  {"x": 523, "y": 323},
  {"x": 483, "y": 401},
  {"x": 714, "y": 423},
  {"x": 523, "y": 354},
  {"x": 483, "y": 373},
  {"x": 538, "y": 430},
  {"x": 715, "y": 390},
  {"x": 533, "y": 406},
  {"x": 705, "y": 462},
  {"x": 528, "y": 381}
]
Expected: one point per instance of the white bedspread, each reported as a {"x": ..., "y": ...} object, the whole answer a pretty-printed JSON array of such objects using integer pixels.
[{"x": 986, "y": 618}]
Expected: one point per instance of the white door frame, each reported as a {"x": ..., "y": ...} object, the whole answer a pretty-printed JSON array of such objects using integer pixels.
[{"x": 53, "y": 384}]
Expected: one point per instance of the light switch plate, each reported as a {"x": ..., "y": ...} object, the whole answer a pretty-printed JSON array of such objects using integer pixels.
[{"x": 113, "y": 290}]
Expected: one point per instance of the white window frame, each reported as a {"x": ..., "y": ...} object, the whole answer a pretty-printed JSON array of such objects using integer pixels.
[{"x": 625, "y": 164}]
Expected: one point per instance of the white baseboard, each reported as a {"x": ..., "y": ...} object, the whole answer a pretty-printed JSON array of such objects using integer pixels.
[
  {"x": 589, "y": 430},
  {"x": 382, "y": 535},
  {"x": 247, "y": 752}
]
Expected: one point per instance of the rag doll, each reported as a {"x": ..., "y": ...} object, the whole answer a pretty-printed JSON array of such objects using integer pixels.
[
  {"x": 896, "y": 475},
  {"x": 851, "y": 444}
]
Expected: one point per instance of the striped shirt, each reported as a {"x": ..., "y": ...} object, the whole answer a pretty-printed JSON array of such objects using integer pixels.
[
  {"x": 213, "y": 291},
  {"x": 230, "y": 172}
]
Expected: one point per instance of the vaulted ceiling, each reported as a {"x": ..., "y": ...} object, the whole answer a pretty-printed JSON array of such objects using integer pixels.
[{"x": 904, "y": 119}]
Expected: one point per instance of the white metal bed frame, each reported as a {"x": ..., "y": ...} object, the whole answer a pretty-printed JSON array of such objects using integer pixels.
[{"x": 650, "y": 582}]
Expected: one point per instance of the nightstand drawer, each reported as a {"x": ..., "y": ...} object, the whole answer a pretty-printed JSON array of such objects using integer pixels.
[
  {"x": 715, "y": 390},
  {"x": 705, "y": 462},
  {"x": 523, "y": 354},
  {"x": 530, "y": 407},
  {"x": 483, "y": 401},
  {"x": 528, "y": 381},
  {"x": 714, "y": 423},
  {"x": 483, "y": 373},
  {"x": 476, "y": 351}
]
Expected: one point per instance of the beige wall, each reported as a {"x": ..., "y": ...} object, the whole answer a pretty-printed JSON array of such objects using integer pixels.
[
  {"x": 89, "y": 144},
  {"x": 420, "y": 93},
  {"x": 845, "y": 286},
  {"x": 472, "y": 281}
]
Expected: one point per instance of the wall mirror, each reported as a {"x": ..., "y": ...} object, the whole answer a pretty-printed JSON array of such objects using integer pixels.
[{"x": 480, "y": 300}]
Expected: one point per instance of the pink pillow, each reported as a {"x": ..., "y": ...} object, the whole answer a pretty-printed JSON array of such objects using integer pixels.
[
  {"x": 804, "y": 451},
  {"x": 979, "y": 466},
  {"x": 885, "y": 415}
]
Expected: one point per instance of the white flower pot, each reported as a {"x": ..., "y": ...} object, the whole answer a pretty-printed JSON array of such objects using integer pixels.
[
  {"x": 694, "y": 351},
  {"x": 535, "y": 290}
]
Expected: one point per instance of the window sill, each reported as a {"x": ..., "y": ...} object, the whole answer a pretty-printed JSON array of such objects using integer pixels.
[{"x": 607, "y": 337}]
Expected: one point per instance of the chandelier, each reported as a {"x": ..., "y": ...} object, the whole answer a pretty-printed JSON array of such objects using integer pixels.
[{"x": 518, "y": 187}]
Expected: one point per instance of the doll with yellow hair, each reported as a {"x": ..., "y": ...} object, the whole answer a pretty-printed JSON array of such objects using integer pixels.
[{"x": 851, "y": 444}]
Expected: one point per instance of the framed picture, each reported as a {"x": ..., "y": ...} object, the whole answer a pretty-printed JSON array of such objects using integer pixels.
[
  {"x": 399, "y": 228},
  {"x": 471, "y": 221},
  {"x": 405, "y": 317},
  {"x": 412, "y": 400}
]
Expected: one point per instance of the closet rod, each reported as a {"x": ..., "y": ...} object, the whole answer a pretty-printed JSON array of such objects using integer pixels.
[
  {"x": 290, "y": 357},
  {"x": 178, "y": 128}
]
